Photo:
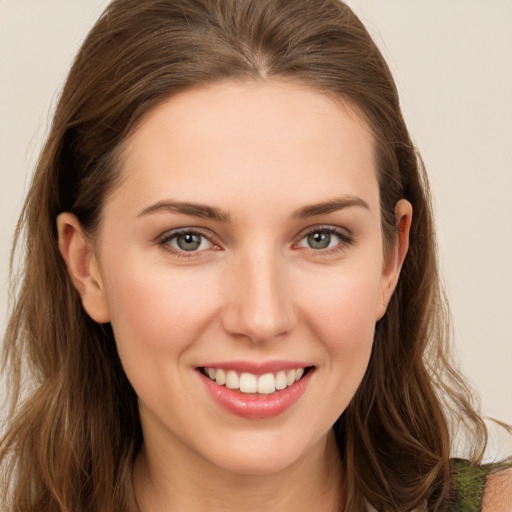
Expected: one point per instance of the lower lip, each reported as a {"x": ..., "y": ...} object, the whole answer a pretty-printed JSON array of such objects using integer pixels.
[{"x": 255, "y": 406}]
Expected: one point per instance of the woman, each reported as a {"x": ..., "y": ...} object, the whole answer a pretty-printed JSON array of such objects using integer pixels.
[{"x": 230, "y": 297}]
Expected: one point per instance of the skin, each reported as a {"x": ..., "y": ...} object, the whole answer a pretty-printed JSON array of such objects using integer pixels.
[
  {"x": 255, "y": 290},
  {"x": 498, "y": 492}
]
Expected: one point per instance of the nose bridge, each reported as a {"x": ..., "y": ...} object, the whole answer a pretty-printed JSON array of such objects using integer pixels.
[{"x": 259, "y": 297}]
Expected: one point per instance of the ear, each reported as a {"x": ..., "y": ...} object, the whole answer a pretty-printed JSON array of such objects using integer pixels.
[
  {"x": 78, "y": 253},
  {"x": 396, "y": 256}
]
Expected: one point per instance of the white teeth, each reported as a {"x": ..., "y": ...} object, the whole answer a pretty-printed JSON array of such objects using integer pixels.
[
  {"x": 281, "y": 380},
  {"x": 266, "y": 384},
  {"x": 232, "y": 381},
  {"x": 220, "y": 377},
  {"x": 249, "y": 383}
]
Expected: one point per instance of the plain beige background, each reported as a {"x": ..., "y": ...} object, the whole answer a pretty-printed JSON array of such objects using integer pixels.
[{"x": 452, "y": 60}]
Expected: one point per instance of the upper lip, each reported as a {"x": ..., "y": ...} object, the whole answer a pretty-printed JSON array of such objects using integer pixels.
[{"x": 257, "y": 368}]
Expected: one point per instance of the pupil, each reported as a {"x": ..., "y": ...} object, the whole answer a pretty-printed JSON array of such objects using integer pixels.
[
  {"x": 189, "y": 241},
  {"x": 319, "y": 240}
]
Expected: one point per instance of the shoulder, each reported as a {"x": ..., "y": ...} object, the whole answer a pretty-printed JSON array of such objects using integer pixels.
[{"x": 498, "y": 492}]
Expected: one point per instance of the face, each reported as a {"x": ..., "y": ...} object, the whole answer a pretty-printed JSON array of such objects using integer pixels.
[{"x": 242, "y": 252}]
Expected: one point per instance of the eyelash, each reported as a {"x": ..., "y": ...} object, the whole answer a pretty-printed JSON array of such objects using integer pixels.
[{"x": 346, "y": 240}]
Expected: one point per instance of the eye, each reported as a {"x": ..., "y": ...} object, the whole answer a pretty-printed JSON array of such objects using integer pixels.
[
  {"x": 325, "y": 238},
  {"x": 186, "y": 242}
]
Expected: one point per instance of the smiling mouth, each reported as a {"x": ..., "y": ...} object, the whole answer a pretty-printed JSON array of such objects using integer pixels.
[{"x": 250, "y": 383}]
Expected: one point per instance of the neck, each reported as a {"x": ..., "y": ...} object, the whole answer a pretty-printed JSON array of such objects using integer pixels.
[{"x": 311, "y": 483}]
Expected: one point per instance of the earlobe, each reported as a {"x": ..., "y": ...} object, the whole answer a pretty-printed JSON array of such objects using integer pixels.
[
  {"x": 396, "y": 257},
  {"x": 78, "y": 254}
]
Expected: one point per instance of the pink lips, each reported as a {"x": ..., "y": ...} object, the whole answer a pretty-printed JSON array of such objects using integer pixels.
[{"x": 257, "y": 406}]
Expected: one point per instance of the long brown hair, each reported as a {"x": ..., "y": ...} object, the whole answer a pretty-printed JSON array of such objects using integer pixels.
[{"x": 74, "y": 429}]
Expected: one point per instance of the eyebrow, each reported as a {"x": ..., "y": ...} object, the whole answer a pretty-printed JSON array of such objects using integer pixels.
[
  {"x": 333, "y": 205},
  {"x": 187, "y": 208},
  {"x": 216, "y": 214}
]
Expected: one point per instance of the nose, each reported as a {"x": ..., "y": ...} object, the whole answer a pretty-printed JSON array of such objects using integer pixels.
[{"x": 258, "y": 301}]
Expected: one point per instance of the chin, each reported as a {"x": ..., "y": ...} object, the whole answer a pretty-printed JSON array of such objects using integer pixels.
[
  {"x": 261, "y": 455},
  {"x": 260, "y": 464}
]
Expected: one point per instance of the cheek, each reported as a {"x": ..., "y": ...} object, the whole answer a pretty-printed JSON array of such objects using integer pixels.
[
  {"x": 341, "y": 315},
  {"x": 344, "y": 308},
  {"x": 157, "y": 316},
  {"x": 154, "y": 311}
]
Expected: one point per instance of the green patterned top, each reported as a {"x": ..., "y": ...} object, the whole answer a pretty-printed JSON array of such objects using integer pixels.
[{"x": 468, "y": 486}]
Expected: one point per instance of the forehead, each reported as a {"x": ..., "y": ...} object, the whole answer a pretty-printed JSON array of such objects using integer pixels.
[{"x": 250, "y": 139}]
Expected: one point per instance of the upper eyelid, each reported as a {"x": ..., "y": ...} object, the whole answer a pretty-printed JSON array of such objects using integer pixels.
[
  {"x": 321, "y": 227},
  {"x": 178, "y": 231},
  {"x": 206, "y": 231}
]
